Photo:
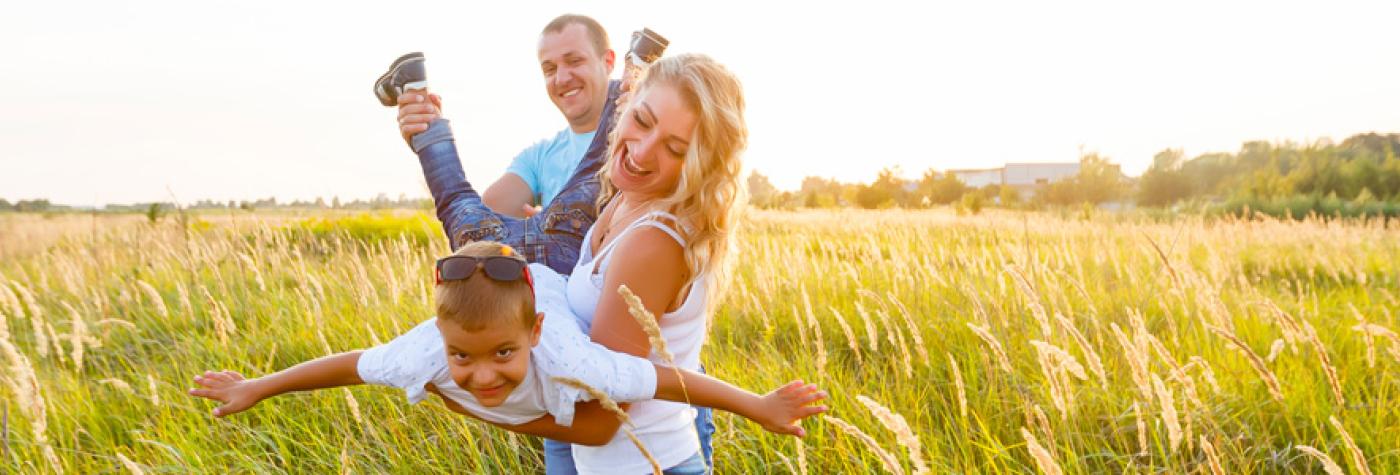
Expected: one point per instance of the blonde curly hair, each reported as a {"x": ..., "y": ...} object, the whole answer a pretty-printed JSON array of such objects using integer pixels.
[{"x": 708, "y": 195}]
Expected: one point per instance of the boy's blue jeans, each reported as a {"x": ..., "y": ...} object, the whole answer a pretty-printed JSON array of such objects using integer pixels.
[{"x": 552, "y": 237}]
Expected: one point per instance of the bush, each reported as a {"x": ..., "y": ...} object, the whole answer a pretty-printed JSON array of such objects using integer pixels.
[
  {"x": 971, "y": 203},
  {"x": 1300, "y": 206},
  {"x": 417, "y": 228}
]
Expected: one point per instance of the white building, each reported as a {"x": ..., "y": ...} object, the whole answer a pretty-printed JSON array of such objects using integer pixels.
[
  {"x": 980, "y": 177},
  {"x": 1017, "y": 174},
  {"x": 1023, "y": 177},
  {"x": 1031, "y": 174}
]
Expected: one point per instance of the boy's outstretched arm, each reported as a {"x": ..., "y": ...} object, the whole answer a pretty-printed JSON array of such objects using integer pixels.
[
  {"x": 238, "y": 394},
  {"x": 778, "y": 411}
]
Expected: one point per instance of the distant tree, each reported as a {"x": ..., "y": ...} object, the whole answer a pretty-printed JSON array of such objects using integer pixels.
[
  {"x": 762, "y": 193},
  {"x": 819, "y": 192},
  {"x": 32, "y": 206},
  {"x": 1008, "y": 195},
  {"x": 871, "y": 197},
  {"x": 154, "y": 213},
  {"x": 1099, "y": 181},
  {"x": 381, "y": 201},
  {"x": 1163, "y": 183},
  {"x": 889, "y": 187},
  {"x": 335, "y": 202},
  {"x": 5, "y": 205},
  {"x": 1059, "y": 193},
  {"x": 941, "y": 188},
  {"x": 971, "y": 203},
  {"x": 887, "y": 190}
]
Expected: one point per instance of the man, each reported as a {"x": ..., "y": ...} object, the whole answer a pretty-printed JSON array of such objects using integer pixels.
[
  {"x": 544, "y": 203},
  {"x": 576, "y": 61}
]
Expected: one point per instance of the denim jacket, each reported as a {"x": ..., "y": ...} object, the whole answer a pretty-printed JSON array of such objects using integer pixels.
[{"x": 552, "y": 237}]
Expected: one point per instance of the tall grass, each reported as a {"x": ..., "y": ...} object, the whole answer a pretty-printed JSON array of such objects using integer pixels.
[{"x": 1141, "y": 339}]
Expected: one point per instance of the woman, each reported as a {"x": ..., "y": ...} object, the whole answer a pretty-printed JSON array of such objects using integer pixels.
[{"x": 670, "y": 190}]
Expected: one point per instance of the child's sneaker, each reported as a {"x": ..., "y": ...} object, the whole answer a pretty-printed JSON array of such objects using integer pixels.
[{"x": 405, "y": 73}]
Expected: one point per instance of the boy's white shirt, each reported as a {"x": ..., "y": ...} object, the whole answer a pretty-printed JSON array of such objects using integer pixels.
[{"x": 418, "y": 358}]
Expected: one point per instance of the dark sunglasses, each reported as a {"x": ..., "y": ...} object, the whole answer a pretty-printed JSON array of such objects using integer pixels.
[{"x": 500, "y": 268}]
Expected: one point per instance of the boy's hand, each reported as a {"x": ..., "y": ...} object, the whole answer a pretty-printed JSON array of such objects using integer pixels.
[
  {"x": 229, "y": 387},
  {"x": 781, "y": 409}
]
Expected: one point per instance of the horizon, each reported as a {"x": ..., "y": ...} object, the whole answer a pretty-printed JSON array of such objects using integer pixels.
[
  {"x": 402, "y": 198},
  {"x": 132, "y": 104}
]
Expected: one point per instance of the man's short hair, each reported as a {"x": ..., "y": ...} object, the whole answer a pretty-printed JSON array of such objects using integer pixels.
[{"x": 596, "y": 34}]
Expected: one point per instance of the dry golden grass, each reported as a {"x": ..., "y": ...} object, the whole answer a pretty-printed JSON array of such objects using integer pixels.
[
  {"x": 1264, "y": 374},
  {"x": 904, "y": 434},
  {"x": 1138, "y": 322},
  {"x": 1043, "y": 459},
  {"x": 1328, "y": 465},
  {"x": 887, "y": 460},
  {"x": 1358, "y": 459}
]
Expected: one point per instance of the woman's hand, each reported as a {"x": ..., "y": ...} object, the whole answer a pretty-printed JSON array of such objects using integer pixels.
[
  {"x": 781, "y": 410},
  {"x": 236, "y": 393}
]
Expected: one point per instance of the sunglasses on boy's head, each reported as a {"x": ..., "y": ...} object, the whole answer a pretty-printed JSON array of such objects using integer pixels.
[{"x": 500, "y": 268}]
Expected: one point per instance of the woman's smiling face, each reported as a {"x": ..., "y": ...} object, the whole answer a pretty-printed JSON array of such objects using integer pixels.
[{"x": 654, "y": 137}]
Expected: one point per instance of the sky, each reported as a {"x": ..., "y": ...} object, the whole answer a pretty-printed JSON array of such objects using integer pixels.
[{"x": 124, "y": 102}]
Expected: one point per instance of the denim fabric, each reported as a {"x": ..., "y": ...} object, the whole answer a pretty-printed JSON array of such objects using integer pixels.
[
  {"x": 559, "y": 457},
  {"x": 705, "y": 426},
  {"x": 553, "y": 237},
  {"x": 695, "y": 465}
]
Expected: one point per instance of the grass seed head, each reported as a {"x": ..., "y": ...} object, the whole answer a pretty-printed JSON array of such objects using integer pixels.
[
  {"x": 887, "y": 460},
  {"x": 1042, "y": 457},
  {"x": 1328, "y": 465},
  {"x": 1358, "y": 459},
  {"x": 897, "y": 425},
  {"x": 154, "y": 296}
]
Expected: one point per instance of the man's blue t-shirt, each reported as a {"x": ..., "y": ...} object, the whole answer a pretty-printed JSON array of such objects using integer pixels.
[{"x": 547, "y": 165}]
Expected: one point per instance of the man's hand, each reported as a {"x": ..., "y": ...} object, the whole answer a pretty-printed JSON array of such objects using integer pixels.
[
  {"x": 629, "y": 83},
  {"x": 417, "y": 109},
  {"x": 783, "y": 408},
  {"x": 229, "y": 387}
]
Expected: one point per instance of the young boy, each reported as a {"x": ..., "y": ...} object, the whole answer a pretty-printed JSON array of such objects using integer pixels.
[{"x": 488, "y": 353}]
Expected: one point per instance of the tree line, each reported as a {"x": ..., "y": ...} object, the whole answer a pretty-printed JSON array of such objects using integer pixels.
[
  {"x": 1358, "y": 177},
  {"x": 382, "y": 201}
]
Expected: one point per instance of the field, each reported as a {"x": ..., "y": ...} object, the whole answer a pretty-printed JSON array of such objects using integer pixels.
[{"x": 999, "y": 343}]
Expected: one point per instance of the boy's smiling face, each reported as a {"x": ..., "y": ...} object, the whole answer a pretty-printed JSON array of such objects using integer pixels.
[{"x": 489, "y": 362}]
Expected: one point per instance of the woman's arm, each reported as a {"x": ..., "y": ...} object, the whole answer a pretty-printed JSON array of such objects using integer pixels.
[
  {"x": 238, "y": 394},
  {"x": 652, "y": 266}
]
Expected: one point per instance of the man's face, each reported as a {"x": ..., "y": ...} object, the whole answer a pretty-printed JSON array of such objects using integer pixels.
[
  {"x": 489, "y": 362},
  {"x": 575, "y": 75}
]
